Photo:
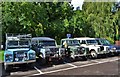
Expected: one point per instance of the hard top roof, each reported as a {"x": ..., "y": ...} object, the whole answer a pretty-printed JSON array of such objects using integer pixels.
[
  {"x": 99, "y": 38},
  {"x": 84, "y": 38},
  {"x": 10, "y": 36},
  {"x": 68, "y": 39},
  {"x": 42, "y": 38}
]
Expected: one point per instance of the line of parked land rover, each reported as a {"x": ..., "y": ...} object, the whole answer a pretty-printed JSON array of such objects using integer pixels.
[{"x": 22, "y": 48}]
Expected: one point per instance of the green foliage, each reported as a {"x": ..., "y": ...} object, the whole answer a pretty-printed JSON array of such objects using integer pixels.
[
  {"x": 110, "y": 39},
  {"x": 58, "y": 19},
  {"x": 101, "y": 19}
]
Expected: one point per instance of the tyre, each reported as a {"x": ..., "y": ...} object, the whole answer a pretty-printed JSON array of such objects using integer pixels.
[
  {"x": 93, "y": 54},
  {"x": 112, "y": 54},
  {"x": 116, "y": 54},
  {"x": 8, "y": 68},
  {"x": 84, "y": 58},
  {"x": 107, "y": 55},
  {"x": 41, "y": 60},
  {"x": 61, "y": 60}
]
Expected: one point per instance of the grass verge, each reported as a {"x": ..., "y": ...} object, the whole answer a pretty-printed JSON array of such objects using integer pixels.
[{"x": 1, "y": 55}]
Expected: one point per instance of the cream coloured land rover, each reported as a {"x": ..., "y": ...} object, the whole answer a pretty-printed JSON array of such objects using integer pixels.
[{"x": 94, "y": 49}]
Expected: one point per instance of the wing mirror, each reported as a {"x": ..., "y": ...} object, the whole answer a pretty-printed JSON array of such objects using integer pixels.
[
  {"x": 87, "y": 44},
  {"x": 2, "y": 47}
]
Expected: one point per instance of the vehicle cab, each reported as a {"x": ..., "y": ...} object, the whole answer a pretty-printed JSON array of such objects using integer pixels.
[{"x": 18, "y": 50}]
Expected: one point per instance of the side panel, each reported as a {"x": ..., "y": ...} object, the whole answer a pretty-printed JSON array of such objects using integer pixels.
[
  {"x": 31, "y": 55},
  {"x": 6, "y": 56},
  {"x": 42, "y": 50}
]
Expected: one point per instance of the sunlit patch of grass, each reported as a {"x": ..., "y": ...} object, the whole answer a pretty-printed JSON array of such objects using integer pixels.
[{"x": 1, "y": 55}]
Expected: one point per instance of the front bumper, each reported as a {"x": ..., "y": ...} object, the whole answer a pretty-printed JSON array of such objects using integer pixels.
[
  {"x": 112, "y": 50},
  {"x": 103, "y": 52},
  {"x": 14, "y": 63},
  {"x": 80, "y": 55},
  {"x": 53, "y": 58},
  {"x": 118, "y": 51},
  {"x": 53, "y": 55}
]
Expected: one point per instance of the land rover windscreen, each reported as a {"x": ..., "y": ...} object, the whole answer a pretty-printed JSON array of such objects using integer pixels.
[
  {"x": 12, "y": 44},
  {"x": 71, "y": 42},
  {"x": 47, "y": 43},
  {"x": 102, "y": 41}
]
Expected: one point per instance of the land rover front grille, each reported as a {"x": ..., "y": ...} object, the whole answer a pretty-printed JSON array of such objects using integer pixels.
[
  {"x": 54, "y": 50},
  {"x": 20, "y": 56},
  {"x": 107, "y": 49},
  {"x": 101, "y": 48},
  {"x": 80, "y": 51}
]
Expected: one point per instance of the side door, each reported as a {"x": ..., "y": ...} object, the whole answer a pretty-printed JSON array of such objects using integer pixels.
[
  {"x": 83, "y": 42},
  {"x": 98, "y": 41},
  {"x": 34, "y": 44}
]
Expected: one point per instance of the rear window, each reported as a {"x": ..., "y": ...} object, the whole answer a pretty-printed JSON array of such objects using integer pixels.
[{"x": 91, "y": 42}]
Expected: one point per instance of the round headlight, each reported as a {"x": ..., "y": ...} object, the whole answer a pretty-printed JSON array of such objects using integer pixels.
[
  {"x": 114, "y": 48},
  {"x": 83, "y": 49},
  {"x": 16, "y": 59}
]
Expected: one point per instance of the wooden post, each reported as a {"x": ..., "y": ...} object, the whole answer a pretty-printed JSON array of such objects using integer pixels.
[{"x": 117, "y": 43}]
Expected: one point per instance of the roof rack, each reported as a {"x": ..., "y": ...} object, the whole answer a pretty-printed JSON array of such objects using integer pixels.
[
  {"x": 42, "y": 38},
  {"x": 18, "y": 36}
]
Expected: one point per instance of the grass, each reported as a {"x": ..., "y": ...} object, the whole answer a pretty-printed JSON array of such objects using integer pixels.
[{"x": 1, "y": 55}]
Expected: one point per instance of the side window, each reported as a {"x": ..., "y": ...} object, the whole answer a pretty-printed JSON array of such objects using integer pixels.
[
  {"x": 98, "y": 42},
  {"x": 69, "y": 42},
  {"x": 82, "y": 42},
  {"x": 40, "y": 42},
  {"x": 34, "y": 44}
]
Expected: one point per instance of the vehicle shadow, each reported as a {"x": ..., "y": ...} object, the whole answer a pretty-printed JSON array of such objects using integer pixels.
[{"x": 22, "y": 68}]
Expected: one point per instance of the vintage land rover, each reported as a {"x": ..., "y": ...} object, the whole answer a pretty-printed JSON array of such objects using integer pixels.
[
  {"x": 95, "y": 50},
  {"x": 18, "y": 50},
  {"x": 47, "y": 50},
  {"x": 73, "y": 49}
]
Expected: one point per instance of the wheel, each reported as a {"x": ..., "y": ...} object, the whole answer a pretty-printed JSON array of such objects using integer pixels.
[
  {"x": 110, "y": 54},
  {"x": 49, "y": 61},
  {"x": 41, "y": 60},
  {"x": 116, "y": 54},
  {"x": 8, "y": 68},
  {"x": 84, "y": 58},
  {"x": 106, "y": 55},
  {"x": 61, "y": 60},
  {"x": 93, "y": 54}
]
